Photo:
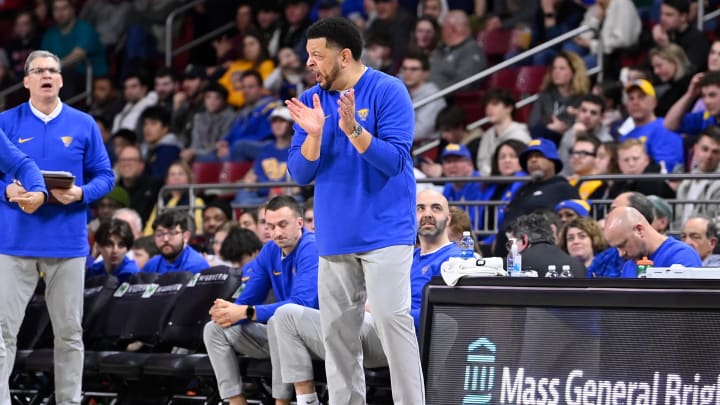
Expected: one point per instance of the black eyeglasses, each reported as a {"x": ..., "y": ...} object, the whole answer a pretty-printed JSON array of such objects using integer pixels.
[
  {"x": 410, "y": 68},
  {"x": 583, "y": 153},
  {"x": 41, "y": 70},
  {"x": 170, "y": 234}
]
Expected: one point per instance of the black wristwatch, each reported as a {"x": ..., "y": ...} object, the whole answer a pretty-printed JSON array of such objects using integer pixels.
[{"x": 250, "y": 312}]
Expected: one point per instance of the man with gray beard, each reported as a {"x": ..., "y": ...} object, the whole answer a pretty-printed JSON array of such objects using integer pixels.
[{"x": 540, "y": 160}]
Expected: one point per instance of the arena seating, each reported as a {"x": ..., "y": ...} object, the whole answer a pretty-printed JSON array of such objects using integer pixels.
[
  {"x": 206, "y": 172},
  {"x": 163, "y": 317},
  {"x": 528, "y": 80},
  {"x": 495, "y": 43}
]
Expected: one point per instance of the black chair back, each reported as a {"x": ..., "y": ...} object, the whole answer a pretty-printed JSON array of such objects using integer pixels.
[
  {"x": 184, "y": 327},
  {"x": 97, "y": 296},
  {"x": 125, "y": 302},
  {"x": 153, "y": 308}
]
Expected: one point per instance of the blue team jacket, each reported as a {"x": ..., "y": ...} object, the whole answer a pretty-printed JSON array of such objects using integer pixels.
[
  {"x": 292, "y": 278},
  {"x": 69, "y": 142},
  {"x": 371, "y": 195}
]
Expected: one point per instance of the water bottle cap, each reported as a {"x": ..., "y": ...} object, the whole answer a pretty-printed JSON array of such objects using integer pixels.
[{"x": 645, "y": 262}]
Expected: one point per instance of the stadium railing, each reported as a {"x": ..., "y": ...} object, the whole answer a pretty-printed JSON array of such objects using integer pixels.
[{"x": 487, "y": 228}]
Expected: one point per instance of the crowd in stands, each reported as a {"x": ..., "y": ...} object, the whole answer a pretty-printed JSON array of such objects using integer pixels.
[{"x": 654, "y": 112}]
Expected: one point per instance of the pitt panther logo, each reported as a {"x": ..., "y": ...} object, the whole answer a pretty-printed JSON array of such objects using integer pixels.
[
  {"x": 66, "y": 140},
  {"x": 479, "y": 372},
  {"x": 363, "y": 114}
]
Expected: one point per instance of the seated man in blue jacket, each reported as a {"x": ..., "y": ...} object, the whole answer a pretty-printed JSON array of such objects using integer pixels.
[
  {"x": 294, "y": 331},
  {"x": 171, "y": 235},
  {"x": 288, "y": 266}
]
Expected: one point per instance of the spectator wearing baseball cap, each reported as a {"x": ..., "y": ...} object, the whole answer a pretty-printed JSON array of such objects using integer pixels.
[
  {"x": 189, "y": 101},
  {"x": 457, "y": 161},
  {"x": 117, "y": 198},
  {"x": 271, "y": 163},
  {"x": 545, "y": 189},
  {"x": 663, "y": 146},
  {"x": 570, "y": 209},
  {"x": 192, "y": 72}
]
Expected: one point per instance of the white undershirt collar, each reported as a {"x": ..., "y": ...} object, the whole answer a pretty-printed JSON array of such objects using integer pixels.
[{"x": 46, "y": 117}]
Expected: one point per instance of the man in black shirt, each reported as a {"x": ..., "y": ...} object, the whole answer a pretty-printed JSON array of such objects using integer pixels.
[{"x": 540, "y": 160}]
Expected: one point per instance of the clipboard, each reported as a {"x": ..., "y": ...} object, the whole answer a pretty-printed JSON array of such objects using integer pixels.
[{"x": 57, "y": 179}]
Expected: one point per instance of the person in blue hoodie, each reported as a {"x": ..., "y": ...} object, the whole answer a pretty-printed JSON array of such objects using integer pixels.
[
  {"x": 287, "y": 266},
  {"x": 114, "y": 239},
  {"x": 353, "y": 134},
  {"x": 294, "y": 331},
  {"x": 172, "y": 233},
  {"x": 53, "y": 241}
]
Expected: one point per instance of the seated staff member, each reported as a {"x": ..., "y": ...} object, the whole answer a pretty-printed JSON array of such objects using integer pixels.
[{"x": 287, "y": 266}]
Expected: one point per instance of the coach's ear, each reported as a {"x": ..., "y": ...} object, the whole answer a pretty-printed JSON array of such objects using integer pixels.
[{"x": 346, "y": 56}]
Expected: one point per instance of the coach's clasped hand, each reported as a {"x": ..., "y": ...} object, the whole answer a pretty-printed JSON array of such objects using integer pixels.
[{"x": 29, "y": 201}]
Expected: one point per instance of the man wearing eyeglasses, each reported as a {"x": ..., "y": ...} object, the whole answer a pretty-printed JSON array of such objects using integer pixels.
[
  {"x": 171, "y": 238},
  {"x": 582, "y": 163},
  {"x": 53, "y": 242}
]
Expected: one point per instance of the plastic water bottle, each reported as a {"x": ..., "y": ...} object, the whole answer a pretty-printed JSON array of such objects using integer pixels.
[
  {"x": 566, "y": 271},
  {"x": 514, "y": 259},
  {"x": 467, "y": 246},
  {"x": 552, "y": 271},
  {"x": 642, "y": 266}
]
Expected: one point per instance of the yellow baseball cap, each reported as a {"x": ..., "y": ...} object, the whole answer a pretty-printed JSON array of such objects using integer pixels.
[{"x": 642, "y": 84}]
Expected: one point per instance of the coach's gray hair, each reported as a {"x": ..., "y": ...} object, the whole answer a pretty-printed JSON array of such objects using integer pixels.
[{"x": 40, "y": 54}]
